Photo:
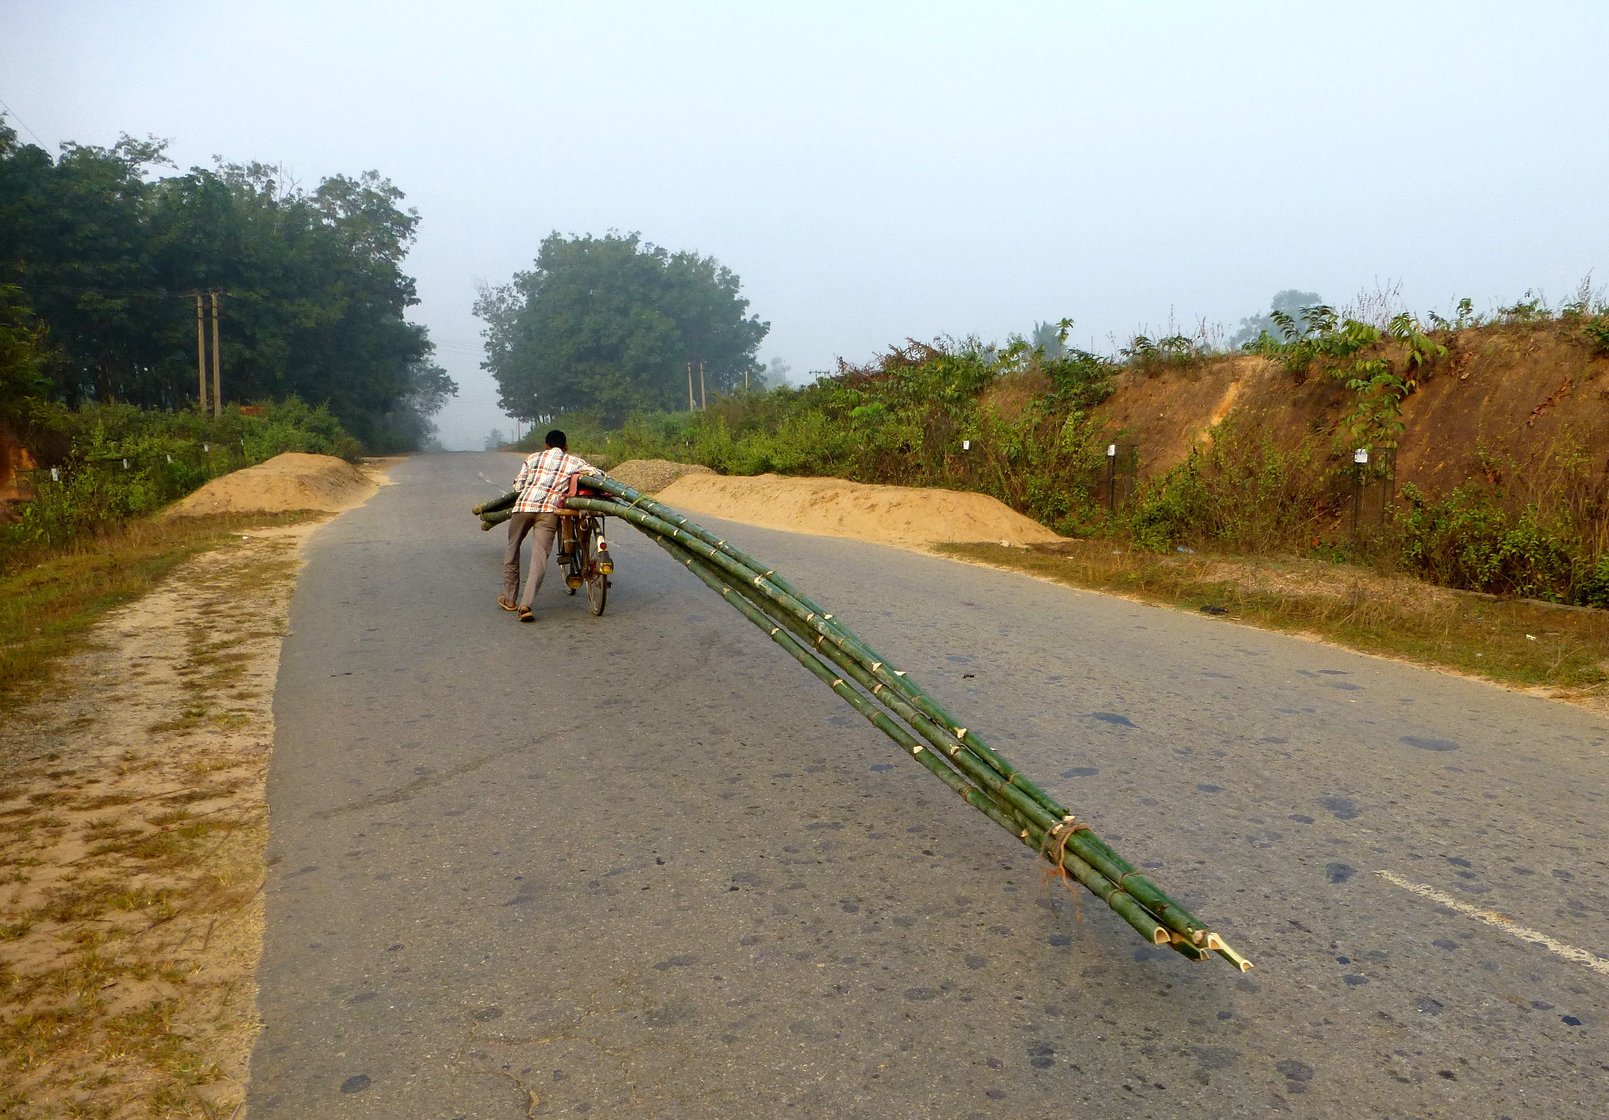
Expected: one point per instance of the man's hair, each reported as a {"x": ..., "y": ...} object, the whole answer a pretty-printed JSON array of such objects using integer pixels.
[{"x": 555, "y": 438}]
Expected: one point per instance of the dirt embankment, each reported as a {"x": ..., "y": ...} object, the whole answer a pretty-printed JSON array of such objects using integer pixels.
[{"x": 1513, "y": 395}]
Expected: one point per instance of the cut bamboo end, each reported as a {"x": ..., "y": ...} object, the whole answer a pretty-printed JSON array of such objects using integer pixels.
[
  {"x": 1219, "y": 945},
  {"x": 1160, "y": 936}
]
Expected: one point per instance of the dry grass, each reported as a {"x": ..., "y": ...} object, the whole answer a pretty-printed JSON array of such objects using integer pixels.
[
  {"x": 1563, "y": 651},
  {"x": 46, "y": 609}
]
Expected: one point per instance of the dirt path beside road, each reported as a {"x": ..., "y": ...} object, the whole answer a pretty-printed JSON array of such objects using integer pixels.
[
  {"x": 134, "y": 823},
  {"x": 134, "y": 819}
]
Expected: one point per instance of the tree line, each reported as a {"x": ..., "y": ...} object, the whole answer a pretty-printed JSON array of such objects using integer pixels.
[{"x": 100, "y": 257}]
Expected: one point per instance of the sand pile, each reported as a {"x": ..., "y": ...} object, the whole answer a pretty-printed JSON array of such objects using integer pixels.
[
  {"x": 290, "y": 481},
  {"x": 909, "y": 517},
  {"x": 653, "y": 475}
]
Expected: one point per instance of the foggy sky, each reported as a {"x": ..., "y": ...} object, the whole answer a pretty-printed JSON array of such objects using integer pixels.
[{"x": 881, "y": 171}]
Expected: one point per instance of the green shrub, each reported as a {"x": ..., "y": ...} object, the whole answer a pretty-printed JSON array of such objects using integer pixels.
[
  {"x": 1242, "y": 493},
  {"x": 1469, "y": 539},
  {"x": 116, "y": 462}
]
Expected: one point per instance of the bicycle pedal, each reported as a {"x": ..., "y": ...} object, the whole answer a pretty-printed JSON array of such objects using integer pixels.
[{"x": 606, "y": 568}]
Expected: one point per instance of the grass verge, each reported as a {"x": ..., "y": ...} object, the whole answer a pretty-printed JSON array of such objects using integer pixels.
[
  {"x": 46, "y": 609},
  {"x": 1519, "y": 643}
]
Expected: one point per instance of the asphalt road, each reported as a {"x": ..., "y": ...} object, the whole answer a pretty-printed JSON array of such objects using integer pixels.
[{"x": 644, "y": 864}]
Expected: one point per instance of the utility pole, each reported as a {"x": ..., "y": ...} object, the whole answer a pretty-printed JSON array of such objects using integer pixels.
[
  {"x": 201, "y": 351},
  {"x": 217, "y": 390},
  {"x": 201, "y": 354},
  {"x": 702, "y": 403},
  {"x": 689, "y": 386}
]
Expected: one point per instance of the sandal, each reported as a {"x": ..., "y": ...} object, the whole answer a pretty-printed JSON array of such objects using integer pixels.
[
  {"x": 526, "y": 615},
  {"x": 504, "y": 602}
]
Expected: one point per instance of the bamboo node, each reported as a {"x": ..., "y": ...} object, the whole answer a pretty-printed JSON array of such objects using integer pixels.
[
  {"x": 960, "y": 733},
  {"x": 916, "y": 749}
]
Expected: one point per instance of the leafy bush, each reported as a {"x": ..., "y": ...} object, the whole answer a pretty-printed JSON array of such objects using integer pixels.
[
  {"x": 113, "y": 462},
  {"x": 1592, "y": 584},
  {"x": 1243, "y": 492},
  {"x": 1473, "y": 539}
]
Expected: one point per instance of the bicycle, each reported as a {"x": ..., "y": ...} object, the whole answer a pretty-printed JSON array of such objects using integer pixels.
[{"x": 584, "y": 553}]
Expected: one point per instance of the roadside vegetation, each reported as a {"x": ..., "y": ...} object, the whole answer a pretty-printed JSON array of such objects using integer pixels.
[
  {"x": 113, "y": 463},
  {"x": 1260, "y": 520},
  {"x": 1022, "y": 424}
]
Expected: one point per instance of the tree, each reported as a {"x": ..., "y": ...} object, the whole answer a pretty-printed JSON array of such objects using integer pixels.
[
  {"x": 777, "y": 373},
  {"x": 1050, "y": 339},
  {"x": 23, "y": 356},
  {"x": 108, "y": 257},
  {"x": 614, "y": 325},
  {"x": 1289, "y": 302}
]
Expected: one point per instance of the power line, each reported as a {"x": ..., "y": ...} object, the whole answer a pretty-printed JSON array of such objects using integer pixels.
[{"x": 12, "y": 113}]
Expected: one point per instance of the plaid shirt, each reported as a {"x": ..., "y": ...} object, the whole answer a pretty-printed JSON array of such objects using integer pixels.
[{"x": 544, "y": 480}]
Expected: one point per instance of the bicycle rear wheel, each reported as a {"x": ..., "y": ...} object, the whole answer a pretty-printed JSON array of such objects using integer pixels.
[{"x": 594, "y": 565}]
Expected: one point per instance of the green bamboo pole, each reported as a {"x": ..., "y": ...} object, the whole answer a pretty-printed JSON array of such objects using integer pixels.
[
  {"x": 1115, "y": 897},
  {"x": 892, "y": 677},
  {"x": 496, "y": 504},
  {"x": 1014, "y": 801},
  {"x": 1043, "y": 842},
  {"x": 1025, "y": 814},
  {"x": 1012, "y": 786},
  {"x": 1100, "y": 853}
]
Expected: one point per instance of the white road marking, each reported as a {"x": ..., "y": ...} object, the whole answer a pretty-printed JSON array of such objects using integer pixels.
[{"x": 1503, "y": 922}]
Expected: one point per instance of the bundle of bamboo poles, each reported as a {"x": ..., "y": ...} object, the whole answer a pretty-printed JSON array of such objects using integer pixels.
[
  {"x": 496, "y": 511},
  {"x": 902, "y": 710}
]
